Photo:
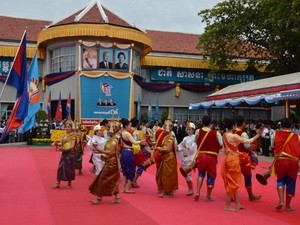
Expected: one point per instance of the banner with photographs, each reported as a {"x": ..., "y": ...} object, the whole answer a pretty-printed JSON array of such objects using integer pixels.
[
  {"x": 105, "y": 97},
  {"x": 106, "y": 57}
]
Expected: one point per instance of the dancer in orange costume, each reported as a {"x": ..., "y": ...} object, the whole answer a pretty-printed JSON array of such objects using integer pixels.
[
  {"x": 248, "y": 164},
  {"x": 166, "y": 176},
  {"x": 231, "y": 169}
]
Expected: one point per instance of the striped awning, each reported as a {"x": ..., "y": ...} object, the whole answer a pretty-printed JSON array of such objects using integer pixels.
[{"x": 271, "y": 90}]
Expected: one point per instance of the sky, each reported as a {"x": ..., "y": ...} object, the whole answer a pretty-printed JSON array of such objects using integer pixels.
[{"x": 164, "y": 15}]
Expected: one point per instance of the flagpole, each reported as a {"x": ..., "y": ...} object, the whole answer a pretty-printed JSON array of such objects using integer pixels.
[{"x": 5, "y": 83}]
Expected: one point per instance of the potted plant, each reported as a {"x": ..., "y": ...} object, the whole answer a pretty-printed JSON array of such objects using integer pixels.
[{"x": 42, "y": 136}]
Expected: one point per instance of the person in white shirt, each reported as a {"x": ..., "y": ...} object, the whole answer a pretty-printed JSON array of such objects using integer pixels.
[
  {"x": 186, "y": 152},
  {"x": 95, "y": 145},
  {"x": 266, "y": 139}
]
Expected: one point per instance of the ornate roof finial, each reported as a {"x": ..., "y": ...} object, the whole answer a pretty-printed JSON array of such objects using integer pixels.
[{"x": 88, "y": 8}]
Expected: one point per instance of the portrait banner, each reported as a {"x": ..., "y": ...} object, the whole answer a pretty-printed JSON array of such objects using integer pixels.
[{"x": 105, "y": 97}]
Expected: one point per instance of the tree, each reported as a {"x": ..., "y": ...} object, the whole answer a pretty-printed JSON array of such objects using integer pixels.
[{"x": 256, "y": 30}]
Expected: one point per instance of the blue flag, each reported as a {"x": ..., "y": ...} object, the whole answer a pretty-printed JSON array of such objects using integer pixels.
[
  {"x": 139, "y": 108},
  {"x": 150, "y": 111},
  {"x": 18, "y": 78},
  {"x": 49, "y": 106},
  {"x": 157, "y": 109},
  {"x": 68, "y": 106},
  {"x": 34, "y": 95}
]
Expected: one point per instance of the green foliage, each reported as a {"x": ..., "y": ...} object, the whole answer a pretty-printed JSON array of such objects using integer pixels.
[
  {"x": 41, "y": 115},
  {"x": 164, "y": 116},
  {"x": 253, "y": 29},
  {"x": 144, "y": 117},
  {"x": 294, "y": 113},
  {"x": 42, "y": 130}
]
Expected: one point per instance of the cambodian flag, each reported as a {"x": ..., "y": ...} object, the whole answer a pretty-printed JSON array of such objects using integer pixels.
[
  {"x": 49, "y": 106},
  {"x": 58, "y": 114},
  {"x": 68, "y": 106},
  {"x": 34, "y": 95},
  {"x": 18, "y": 78}
]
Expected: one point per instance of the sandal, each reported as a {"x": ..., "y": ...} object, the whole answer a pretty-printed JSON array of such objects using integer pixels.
[
  {"x": 96, "y": 201},
  {"x": 56, "y": 186},
  {"x": 135, "y": 185},
  {"x": 279, "y": 206},
  {"x": 129, "y": 192},
  {"x": 117, "y": 200},
  {"x": 161, "y": 194},
  {"x": 69, "y": 185}
]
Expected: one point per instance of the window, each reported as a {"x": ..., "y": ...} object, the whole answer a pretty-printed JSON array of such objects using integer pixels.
[
  {"x": 182, "y": 114},
  {"x": 5, "y": 110},
  {"x": 136, "y": 63},
  {"x": 63, "y": 59}
]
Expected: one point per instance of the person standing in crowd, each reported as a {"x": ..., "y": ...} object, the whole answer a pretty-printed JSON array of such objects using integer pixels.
[
  {"x": 231, "y": 168},
  {"x": 107, "y": 182},
  {"x": 96, "y": 145},
  {"x": 127, "y": 156},
  {"x": 179, "y": 131},
  {"x": 79, "y": 148},
  {"x": 287, "y": 154},
  {"x": 155, "y": 126},
  {"x": 186, "y": 152},
  {"x": 166, "y": 176},
  {"x": 104, "y": 126},
  {"x": 208, "y": 142},
  {"x": 66, "y": 166},
  {"x": 248, "y": 150},
  {"x": 266, "y": 139}
]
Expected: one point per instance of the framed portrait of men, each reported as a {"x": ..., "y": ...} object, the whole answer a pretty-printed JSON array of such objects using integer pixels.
[{"x": 106, "y": 58}]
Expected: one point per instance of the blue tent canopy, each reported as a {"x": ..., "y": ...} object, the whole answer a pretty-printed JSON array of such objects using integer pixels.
[{"x": 271, "y": 90}]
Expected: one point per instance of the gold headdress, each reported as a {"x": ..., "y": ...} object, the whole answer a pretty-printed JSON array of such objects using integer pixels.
[{"x": 69, "y": 121}]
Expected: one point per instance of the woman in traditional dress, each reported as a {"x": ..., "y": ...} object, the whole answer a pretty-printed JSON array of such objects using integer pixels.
[
  {"x": 80, "y": 140},
  {"x": 107, "y": 182},
  {"x": 167, "y": 176},
  {"x": 231, "y": 169},
  {"x": 66, "y": 166},
  {"x": 127, "y": 156}
]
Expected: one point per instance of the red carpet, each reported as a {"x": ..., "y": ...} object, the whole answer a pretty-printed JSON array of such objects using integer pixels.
[{"x": 27, "y": 174}]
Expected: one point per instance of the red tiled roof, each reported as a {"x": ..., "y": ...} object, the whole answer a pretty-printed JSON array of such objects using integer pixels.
[
  {"x": 174, "y": 42},
  {"x": 168, "y": 42},
  {"x": 11, "y": 29},
  {"x": 94, "y": 16}
]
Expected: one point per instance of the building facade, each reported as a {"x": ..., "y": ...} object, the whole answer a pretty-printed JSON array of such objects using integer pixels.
[{"x": 112, "y": 69}]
